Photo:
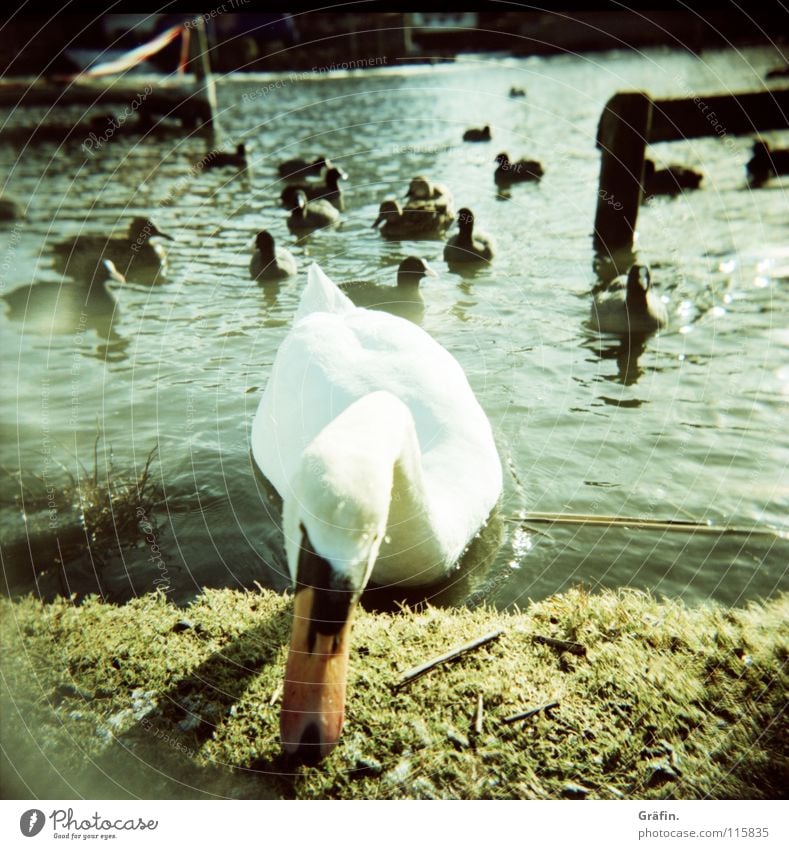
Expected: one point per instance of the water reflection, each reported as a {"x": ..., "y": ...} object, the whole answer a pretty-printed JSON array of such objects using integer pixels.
[
  {"x": 56, "y": 309},
  {"x": 626, "y": 351}
]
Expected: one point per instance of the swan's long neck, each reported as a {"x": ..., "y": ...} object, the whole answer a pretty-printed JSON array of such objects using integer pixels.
[{"x": 359, "y": 493}]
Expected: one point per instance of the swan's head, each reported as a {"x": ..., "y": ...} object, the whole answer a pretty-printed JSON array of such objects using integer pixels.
[
  {"x": 335, "y": 521},
  {"x": 412, "y": 269},
  {"x": 389, "y": 211}
]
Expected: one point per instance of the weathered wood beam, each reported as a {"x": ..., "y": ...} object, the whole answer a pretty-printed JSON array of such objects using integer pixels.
[{"x": 719, "y": 115}]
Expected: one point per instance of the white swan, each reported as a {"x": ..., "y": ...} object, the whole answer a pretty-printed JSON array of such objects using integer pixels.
[{"x": 387, "y": 469}]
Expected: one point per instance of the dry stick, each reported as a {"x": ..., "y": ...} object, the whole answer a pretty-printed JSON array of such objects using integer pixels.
[
  {"x": 527, "y": 713},
  {"x": 276, "y": 694},
  {"x": 479, "y": 715},
  {"x": 563, "y": 645},
  {"x": 623, "y": 521},
  {"x": 419, "y": 671}
]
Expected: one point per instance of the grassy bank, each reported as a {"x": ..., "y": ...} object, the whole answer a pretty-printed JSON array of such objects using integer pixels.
[{"x": 657, "y": 700}]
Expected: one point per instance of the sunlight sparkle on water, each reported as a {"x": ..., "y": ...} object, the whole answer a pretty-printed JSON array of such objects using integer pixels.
[{"x": 522, "y": 544}]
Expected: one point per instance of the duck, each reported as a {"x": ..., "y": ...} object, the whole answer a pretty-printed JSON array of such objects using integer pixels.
[
  {"x": 404, "y": 299},
  {"x": 422, "y": 220},
  {"x": 302, "y": 168},
  {"x": 477, "y": 135},
  {"x": 669, "y": 181},
  {"x": 312, "y": 215},
  {"x": 387, "y": 468},
  {"x": 270, "y": 262},
  {"x": 767, "y": 163},
  {"x": 329, "y": 191},
  {"x": 421, "y": 190},
  {"x": 56, "y": 308},
  {"x": 223, "y": 159},
  {"x": 135, "y": 255},
  {"x": 629, "y": 306},
  {"x": 468, "y": 246},
  {"x": 515, "y": 91},
  {"x": 524, "y": 170}
]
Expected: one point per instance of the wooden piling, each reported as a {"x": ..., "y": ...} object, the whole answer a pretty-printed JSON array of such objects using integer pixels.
[
  {"x": 200, "y": 66},
  {"x": 622, "y": 137}
]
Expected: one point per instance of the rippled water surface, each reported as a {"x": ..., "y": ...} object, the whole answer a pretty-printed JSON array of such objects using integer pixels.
[{"x": 690, "y": 427}]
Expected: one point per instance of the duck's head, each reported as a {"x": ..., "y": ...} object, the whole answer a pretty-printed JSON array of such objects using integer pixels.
[
  {"x": 334, "y": 523},
  {"x": 142, "y": 229},
  {"x": 486, "y": 131},
  {"x": 412, "y": 269},
  {"x": 301, "y": 203},
  {"x": 502, "y": 159},
  {"x": 241, "y": 149},
  {"x": 420, "y": 188},
  {"x": 760, "y": 148},
  {"x": 388, "y": 211},
  {"x": 638, "y": 280},
  {"x": 264, "y": 242},
  {"x": 649, "y": 170},
  {"x": 333, "y": 177},
  {"x": 465, "y": 221}
]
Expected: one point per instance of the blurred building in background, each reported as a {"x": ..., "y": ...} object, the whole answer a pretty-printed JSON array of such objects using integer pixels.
[{"x": 249, "y": 41}]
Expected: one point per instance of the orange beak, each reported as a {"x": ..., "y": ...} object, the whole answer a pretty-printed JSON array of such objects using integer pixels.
[{"x": 313, "y": 701}]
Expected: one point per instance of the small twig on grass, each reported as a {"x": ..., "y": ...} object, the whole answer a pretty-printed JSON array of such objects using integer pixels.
[
  {"x": 419, "y": 671},
  {"x": 479, "y": 716},
  {"x": 562, "y": 645},
  {"x": 276, "y": 694},
  {"x": 517, "y": 717}
]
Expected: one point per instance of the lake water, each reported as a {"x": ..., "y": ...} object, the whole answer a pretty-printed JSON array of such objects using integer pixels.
[{"x": 692, "y": 427}]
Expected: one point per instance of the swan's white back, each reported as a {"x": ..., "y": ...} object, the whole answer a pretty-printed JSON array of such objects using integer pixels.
[{"x": 335, "y": 354}]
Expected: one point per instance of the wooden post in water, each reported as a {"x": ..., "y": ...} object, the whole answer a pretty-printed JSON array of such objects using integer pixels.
[
  {"x": 200, "y": 65},
  {"x": 622, "y": 137}
]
